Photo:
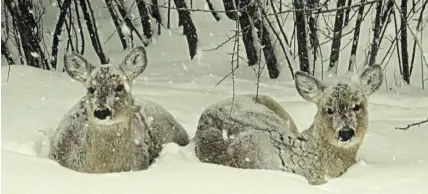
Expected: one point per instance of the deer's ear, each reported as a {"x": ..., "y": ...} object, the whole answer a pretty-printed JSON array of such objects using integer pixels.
[
  {"x": 371, "y": 79},
  {"x": 135, "y": 62},
  {"x": 309, "y": 87},
  {"x": 77, "y": 66}
]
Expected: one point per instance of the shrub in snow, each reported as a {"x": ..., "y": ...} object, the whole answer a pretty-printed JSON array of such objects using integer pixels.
[
  {"x": 257, "y": 133},
  {"x": 106, "y": 131}
]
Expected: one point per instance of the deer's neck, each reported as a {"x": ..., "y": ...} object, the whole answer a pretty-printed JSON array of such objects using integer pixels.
[
  {"x": 110, "y": 147},
  {"x": 334, "y": 160}
]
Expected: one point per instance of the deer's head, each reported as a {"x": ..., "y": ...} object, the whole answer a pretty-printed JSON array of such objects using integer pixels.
[
  {"x": 342, "y": 116},
  {"x": 108, "y": 87}
]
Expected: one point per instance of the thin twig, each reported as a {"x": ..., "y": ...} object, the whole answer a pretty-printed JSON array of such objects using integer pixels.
[
  {"x": 221, "y": 44},
  {"x": 412, "y": 125}
]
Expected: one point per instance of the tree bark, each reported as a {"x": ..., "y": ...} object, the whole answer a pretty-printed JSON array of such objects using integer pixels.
[
  {"x": 403, "y": 39},
  {"x": 376, "y": 34},
  {"x": 337, "y": 37},
  {"x": 26, "y": 25},
  {"x": 93, "y": 33},
  {"x": 117, "y": 23},
  {"x": 79, "y": 24},
  {"x": 189, "y": 29},
  {"x": 356, "y": 38},
  {"x": 210, "y": 6},
  {"x": 58, "y": 29},
  {"x": 302, "y": 49},
  {"x": 145, "y": 18}
]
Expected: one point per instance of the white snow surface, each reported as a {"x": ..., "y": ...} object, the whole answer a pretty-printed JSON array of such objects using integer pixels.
[{"x": 34, "y": 100}]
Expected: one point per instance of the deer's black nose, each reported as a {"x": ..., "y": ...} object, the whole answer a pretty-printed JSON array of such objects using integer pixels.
[
  {"x": 102, "y": 113},
  {"x": 346, "y": 134}
]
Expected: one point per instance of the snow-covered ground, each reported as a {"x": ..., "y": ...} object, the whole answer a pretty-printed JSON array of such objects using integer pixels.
[{"x": 33, "y": 101}]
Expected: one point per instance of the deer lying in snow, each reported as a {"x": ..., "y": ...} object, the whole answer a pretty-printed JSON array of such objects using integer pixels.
[
  {"x": 106, "y": 131},
  {"x": 257, "y": 133}
]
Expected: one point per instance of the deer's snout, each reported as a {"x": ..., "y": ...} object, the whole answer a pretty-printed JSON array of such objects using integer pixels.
[
  {"x": 102, "y": 113},
  {"x": 346, "y": 133}
]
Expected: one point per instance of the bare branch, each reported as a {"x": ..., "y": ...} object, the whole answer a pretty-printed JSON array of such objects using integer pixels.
[{"x": 412, "y": 125}]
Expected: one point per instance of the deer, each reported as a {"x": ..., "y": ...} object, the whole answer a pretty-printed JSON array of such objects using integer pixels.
[
  {"x": 255, "y": 132},
  {"x": 108, "y": 130}
]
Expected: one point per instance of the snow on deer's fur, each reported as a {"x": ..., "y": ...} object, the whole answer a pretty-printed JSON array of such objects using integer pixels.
[
  {"x": 106, "y": 131},
  {"x": 257, "y": 133}
]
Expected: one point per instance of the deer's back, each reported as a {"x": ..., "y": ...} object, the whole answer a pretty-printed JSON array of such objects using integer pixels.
[{"x": 243, "y": 133}]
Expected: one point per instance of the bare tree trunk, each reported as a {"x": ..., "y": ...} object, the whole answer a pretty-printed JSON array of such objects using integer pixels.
[
  {"x": 313, "y": 34},
  {"x": 385, "y": 19},
  {"x": 230, "y": 9},
  {"x": 58, "y": 29},
  {"x": 79, "y": 23},
  {"x": 26, "y": 25},
  {"x": 403, "y": 39},
  {"x": 300, "y": 23},
  {"x": 353, "y": 59},
  {"x": 17, "y": 40},
  {"x": 267, "y": 46},
  {"x": 68, "y": 26},
  {"x": 145, "y": 18},
  {"x": 93, "y": 32},
  {"x": 418, "y": 27},
  {"x": 247, "y": 31},
  {"x": 337, "y": 37},
  {"x": 189, "y": 29},
  {"x": 376, "y": 34},
  {"x": 213, "y": 12},
  {"x": 128, "y": 22},
  {"x": 116, "y": 22},
  {"x": 347, "y": 13},
  {"x": 156, "y": 14}
]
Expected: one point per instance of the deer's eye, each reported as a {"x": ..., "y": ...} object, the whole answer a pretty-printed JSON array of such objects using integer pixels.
[
  {"x": 356, "y": 107},
  {"x": 330, "y": 111},
  {"x": 119, "y": 88},
  {"x": 91, "y": 90}
]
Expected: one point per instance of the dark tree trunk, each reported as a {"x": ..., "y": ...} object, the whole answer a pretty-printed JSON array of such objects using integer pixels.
[
  {"x": 5, "y": 52},
  {"x": 385, "y": 20},
  {"x": 155, "y": 12},
  {"x": 352, "y": 60},
  {"x": 189, "y": 29},
  {"x": 300, "y": 23},
  {"x": 348, "y": 11},
  {"x": 145, "y": 18},
  {"x": 230, "y": 9},
  {"x": 245, "y": 18},
  {"x": 17, "y": 40},
  {"x": 68, "y": 26},
  {"x": 29, "y": 37},
  {"x": 418, "y": 27},
  {"x": 116, "y": 22},
  {"x": 79, "y": 23},
  {"x": 404, "y": 52},
  {"x": 93, "y": 33},
  {"x": 268, "y": 49},
  {"x": 337, "y": 37},
  {"x": 58, "y": 29},
  {"x": 313, "y": 37},
  {"x": 128, "y": 22},
  {"x": 213, "y": 12},
  {"x": 168, "y": 25},
  {"x": 376, "y": 34}
]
